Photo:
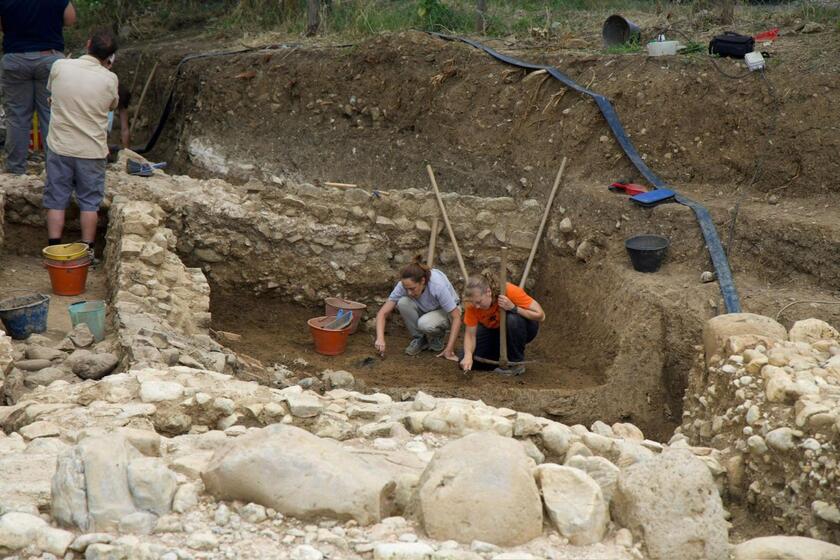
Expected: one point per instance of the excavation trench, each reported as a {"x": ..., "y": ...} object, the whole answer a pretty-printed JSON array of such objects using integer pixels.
[{"x": 599, "y": 355}]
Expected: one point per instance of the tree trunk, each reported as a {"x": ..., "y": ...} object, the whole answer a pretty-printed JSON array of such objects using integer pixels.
[
  {"x": 727, "y": 11},
  {"x": 481, "y": 16},
  {"x": 312, "y": 17}
]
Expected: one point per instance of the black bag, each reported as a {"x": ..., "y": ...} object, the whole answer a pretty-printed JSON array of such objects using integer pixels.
[{"x": 731, "y": 44}]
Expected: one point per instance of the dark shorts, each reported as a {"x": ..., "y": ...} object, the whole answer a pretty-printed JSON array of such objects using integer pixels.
[{"x": 67, "y": 175}]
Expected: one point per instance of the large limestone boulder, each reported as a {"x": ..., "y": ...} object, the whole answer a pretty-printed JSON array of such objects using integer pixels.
[
  {"x": 672, "y": 504},
  {"x": 785, "y": 548},
  {"x": 812, "y": 330},
  {"x": 718, "y": 329},
  {"x": 574, "y": 502},
  {"x": 480, "y": 487},
  {"x": 90, "y": 486},
  {"x": 105, "y": 484},
  {"x": 299, "y": 474}
]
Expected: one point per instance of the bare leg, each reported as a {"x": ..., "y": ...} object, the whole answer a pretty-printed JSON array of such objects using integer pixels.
[
  {"x": 89, "y": 222},
  {"x": 55, "y": 223}
]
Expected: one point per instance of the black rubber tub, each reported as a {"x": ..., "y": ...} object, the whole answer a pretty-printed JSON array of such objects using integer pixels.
[{"x": 647, "y": 252}]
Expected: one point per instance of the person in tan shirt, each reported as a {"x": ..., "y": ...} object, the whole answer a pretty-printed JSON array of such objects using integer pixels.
[{"x": 83, "y": 92}]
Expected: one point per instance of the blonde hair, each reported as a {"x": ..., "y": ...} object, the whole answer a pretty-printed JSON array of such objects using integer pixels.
[{"x": 482, "y": 282}]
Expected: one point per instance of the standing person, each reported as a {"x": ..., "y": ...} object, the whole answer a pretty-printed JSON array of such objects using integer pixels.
[
  {"x": 122, "y": 105},
  {"x": 32, "y": 42},
  {"x": 125, "y": 130},
  {"x": 428, "y": 305},
  {"x": 83, "y": 92},
  {"x": 482, "y": 320}
]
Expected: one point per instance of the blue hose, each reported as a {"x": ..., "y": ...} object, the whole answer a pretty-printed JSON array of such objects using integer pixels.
[{"x": 707, "y": 227}]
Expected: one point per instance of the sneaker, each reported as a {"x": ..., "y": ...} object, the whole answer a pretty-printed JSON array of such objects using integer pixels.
[
  {"x": 512, "y": 371},
  {"x": 416, "y": 346},
  {"x": 437, "y": 344}
]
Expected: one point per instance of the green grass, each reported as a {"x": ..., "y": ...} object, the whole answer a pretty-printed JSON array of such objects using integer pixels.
[
  {"x": 630, "y": 47},
  {"x": 360, "y": 18}
]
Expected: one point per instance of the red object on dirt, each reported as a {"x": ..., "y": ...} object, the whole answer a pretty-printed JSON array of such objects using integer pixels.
[
  {"x": 329, "y": 342},
  {"x": 769, "y": 35},
  {"x": 628, "y": 188}
]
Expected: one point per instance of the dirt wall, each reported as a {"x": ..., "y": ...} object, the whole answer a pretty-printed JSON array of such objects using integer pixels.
[{"x": 375, "y": 112}]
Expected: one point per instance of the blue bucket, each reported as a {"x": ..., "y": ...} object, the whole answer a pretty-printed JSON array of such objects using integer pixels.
[
  {"x": 25, "y": 315},
  {"x": 91, "y": 313}
]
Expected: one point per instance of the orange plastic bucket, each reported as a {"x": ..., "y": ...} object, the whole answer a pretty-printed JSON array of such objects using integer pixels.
[
  {"x": 68, "y": 278},
  {"x": 329, "y": 342}
]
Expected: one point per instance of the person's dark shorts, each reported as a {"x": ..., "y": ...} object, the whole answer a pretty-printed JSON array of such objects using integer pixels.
[{"x": 67, "y": 175}]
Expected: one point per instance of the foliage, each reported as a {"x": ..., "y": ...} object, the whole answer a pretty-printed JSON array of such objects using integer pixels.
[
  {"x": 629, "y": 47},
  {"x": 354, "y": 18}
]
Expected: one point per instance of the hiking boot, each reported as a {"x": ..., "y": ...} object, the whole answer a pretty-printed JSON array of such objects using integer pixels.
[
  {"x": 437, "y": 344},
  {"x": 511, "y": 371},
  {"x": 416, "y": 346}
]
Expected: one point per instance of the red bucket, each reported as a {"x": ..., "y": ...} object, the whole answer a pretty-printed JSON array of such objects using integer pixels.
[
  {"x": 68, "y": 278},
  {"x": 329, "y": 342}
]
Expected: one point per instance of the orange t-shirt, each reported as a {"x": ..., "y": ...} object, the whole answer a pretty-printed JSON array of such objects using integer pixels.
[{"x": 490, "y": 317}]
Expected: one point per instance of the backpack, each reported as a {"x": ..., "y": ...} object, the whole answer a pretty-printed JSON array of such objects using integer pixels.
[{"x": 731, "y": 44}]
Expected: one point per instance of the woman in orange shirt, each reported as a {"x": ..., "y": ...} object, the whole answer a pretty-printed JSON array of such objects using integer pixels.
[{"x": 481, "y": 336}]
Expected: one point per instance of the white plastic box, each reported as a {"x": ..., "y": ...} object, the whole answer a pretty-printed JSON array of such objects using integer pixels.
[{"x": 663, "y": 48}]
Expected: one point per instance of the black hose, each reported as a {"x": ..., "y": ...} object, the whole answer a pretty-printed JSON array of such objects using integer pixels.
[{"x": 707, "y": 227}]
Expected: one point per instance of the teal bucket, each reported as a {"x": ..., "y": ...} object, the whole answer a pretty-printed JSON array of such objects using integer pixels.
[
  {"x": 25, "y": 315},
  {"x": 91, "y": 313}
]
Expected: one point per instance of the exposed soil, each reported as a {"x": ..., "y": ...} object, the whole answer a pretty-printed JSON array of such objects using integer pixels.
[
  {"x": 375, "y": 113},
  {"x": 276, "y": 332}
]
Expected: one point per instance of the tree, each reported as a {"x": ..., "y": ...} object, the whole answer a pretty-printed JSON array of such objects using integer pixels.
[
  {"x": 481, "y": 16},
  {"x": 313, "y": 19}
]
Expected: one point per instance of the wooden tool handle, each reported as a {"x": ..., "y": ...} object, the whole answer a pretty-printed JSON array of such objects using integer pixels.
[
  {"x": 448, "y": 225},
  {"x": 430, "y": 259},
  {"x": 503, "y": 356},
  {"x": 542, "y": 224}
]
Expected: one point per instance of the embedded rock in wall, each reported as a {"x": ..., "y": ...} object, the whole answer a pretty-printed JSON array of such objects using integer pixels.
[{"x": 771, "y": 407}]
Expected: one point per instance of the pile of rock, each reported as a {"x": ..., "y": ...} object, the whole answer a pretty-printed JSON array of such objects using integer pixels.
[
  {"x": 38, "y": 361},
  {"x": 768, "y": 401},
  {"x": 135, "y": 452}
]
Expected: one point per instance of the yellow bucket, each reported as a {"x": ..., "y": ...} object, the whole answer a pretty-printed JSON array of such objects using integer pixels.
[{"x": 66, "y": 252}]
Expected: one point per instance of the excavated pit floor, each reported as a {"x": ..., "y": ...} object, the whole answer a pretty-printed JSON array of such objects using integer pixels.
[{"x": 275, "y": 331}]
